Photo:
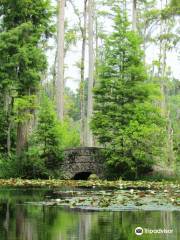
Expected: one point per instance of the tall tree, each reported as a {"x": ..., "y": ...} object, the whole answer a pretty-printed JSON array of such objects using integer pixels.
[
  {"x": 125, "y": 120},
  {"x": 60, "y": 60},
  {"x": 83, "y": 31},
  {"x": 91, "y": 72},
  {"x": 82, "y": 84},
  {"x": 167, "y": 40},
  {"x": 26, "y": 29},
  {"x": 134, "y": 15}
]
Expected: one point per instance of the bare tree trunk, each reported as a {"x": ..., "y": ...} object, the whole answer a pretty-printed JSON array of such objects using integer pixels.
[
  {"x": 9, "y": 136},
  {"x": 170, "y": 142},
  {"x": 82, "y": 83},
  {"x": 134, "y": 16},
  {"x": 161, "y": 67},
  {"x": 91, "y": 73},
  {"x": 8, "y": 109},
  {"x": 164, "y": 101},
  {"x": 54, "y": 74},
  {"x": 97, "y": 50},
  {"x": 83, "y": 30},
  {"x": 144, "y": 45},
  {"x": 60, "y": 61},
  {"x": 22, "y": 135}
]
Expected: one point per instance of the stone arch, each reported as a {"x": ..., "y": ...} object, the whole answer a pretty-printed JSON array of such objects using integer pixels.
[
  {"x": 82, "y": 160},
  {"x": 82, "y": 175}
]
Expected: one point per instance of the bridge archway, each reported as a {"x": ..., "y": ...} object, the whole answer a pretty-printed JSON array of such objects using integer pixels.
[
  {"x": 81, "y": 162},
  {"x": 82, "y": 175}
]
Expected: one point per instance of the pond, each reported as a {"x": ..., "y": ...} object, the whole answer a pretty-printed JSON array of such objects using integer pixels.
[{"x": 36, "y": 214}]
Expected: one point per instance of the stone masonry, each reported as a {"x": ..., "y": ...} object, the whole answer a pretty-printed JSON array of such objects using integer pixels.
[{"x": 80, "y": 160}]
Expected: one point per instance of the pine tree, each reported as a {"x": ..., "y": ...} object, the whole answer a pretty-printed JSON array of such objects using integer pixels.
[{"x": 125, "y": 120}]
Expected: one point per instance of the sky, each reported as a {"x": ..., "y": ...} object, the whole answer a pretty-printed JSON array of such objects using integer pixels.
[{"x": 72, "y": 73}]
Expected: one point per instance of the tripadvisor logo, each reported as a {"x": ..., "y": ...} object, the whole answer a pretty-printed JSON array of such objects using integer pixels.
[{"x": 139, "y": 231}]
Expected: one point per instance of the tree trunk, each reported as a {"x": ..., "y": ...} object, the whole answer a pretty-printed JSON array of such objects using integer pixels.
[
  {"x": 82, "y": 83},
  {"x": 170, "y": 142},
  {"x": 9, "y": 137},
  {"x": 22, "y": 134},
  {"x": 134, "y": 16},
  {"x": 8, "y": 109},
  {"x": 91, "y": 73},
  {"x": 97, "y": 47},
  {"x": 60, "y": 61},
  {"x": 164, "y": 99}
]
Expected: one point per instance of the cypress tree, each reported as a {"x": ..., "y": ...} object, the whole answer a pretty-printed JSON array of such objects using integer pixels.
[
  {"x": 126, "y": 121},
  {"x": 24, "y": 31}
]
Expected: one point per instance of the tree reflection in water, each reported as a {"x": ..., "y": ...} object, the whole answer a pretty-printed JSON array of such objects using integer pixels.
[{"x": 19, "y": 221}]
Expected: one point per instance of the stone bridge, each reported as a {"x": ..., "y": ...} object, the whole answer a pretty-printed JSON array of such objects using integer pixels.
[{"x": 80, "y": 162}]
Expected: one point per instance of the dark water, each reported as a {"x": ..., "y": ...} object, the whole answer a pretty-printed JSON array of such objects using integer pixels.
[{"x": 22, "y": 221}]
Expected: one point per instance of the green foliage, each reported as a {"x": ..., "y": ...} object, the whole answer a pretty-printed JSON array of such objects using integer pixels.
[
  {"x": 5, "y": 167},
  {"x": 72, "y": 105},
  {"x": 125, "y": 120},
  {"x": 70, "y": 37},
  {"x": 172, "y": 9},
  {"x": 25, "y": 27},
  {"x": 16, "y": 12},
  {"x": 10, "y": 166},
  {"x": 3, "y": 133},
  {"x": 19, "y": 50},
  {"x": 70, "y": 134},
  {"x": 173, "y": 98},
  {"x": 175, "y": 6},
  {"x": 21, "y": 105},
  {"x": 46, "y": 145}
]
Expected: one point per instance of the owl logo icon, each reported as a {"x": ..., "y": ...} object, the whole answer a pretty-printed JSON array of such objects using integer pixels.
[{"x": 139, "y": 231}]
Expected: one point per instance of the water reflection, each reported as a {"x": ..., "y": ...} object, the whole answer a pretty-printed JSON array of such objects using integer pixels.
[{"x": 19, "y": 221}]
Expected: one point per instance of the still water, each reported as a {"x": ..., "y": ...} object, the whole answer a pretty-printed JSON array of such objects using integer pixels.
[{"x": 21, "y": 220}]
